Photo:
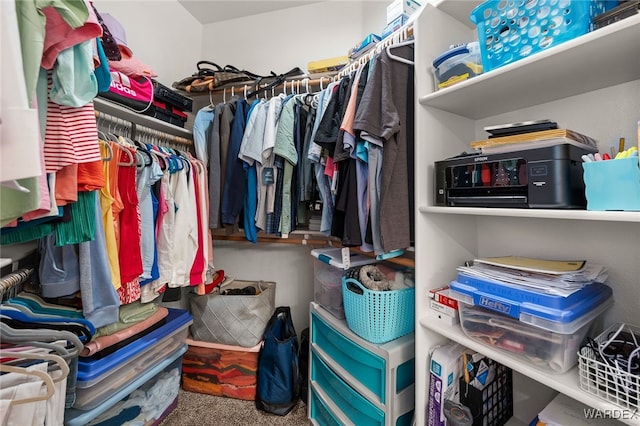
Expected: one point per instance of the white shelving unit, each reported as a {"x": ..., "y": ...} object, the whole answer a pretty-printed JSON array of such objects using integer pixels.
[{"x": 590, "y": 84}]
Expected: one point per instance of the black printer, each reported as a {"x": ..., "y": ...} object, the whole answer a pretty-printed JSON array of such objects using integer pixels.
[{"x": 546, "y": 178}]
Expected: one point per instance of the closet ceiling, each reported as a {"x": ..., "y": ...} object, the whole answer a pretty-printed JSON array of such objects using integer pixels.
[{"x": 209, "y": 11}]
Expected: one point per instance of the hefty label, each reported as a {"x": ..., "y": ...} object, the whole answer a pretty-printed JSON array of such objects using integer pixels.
[{"x": 495, "y": 305}]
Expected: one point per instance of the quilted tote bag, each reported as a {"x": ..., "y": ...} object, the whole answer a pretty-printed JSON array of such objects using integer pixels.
[{"x": 235, "y": 313}]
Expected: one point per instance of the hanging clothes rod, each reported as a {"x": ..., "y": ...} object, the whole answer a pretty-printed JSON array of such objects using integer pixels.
[
  {"x": 304, "y": 85},
  {"x": 301, "y": 85},
  {"x": 139, "y": 120},
  {"x": 135, "y": 130}
]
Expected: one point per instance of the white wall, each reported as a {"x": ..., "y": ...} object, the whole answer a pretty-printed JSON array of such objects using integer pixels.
[
  {"x": 279, "y": 41},
  {"x": 161, "y": 33},
  {"x": 289, "y": 266}
]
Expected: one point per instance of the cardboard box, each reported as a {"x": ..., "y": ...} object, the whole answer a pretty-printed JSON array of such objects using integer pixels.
[
  {"x": 328, "y": 65},
  {"x": 442, "y": 309},
  {"x": 394, "y": 25},
  {"x": 443, "y": 318},
  {"x": 441, "y": 295},
  {"x": 444, "y": 372},
  {"x": 401, "y": 7}
]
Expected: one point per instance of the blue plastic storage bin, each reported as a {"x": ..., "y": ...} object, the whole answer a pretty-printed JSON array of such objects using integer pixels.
[
  {"x": 509, "y": 30},
  {"x": 612, "y": 184},
  {"x": 519, "y": 322},
  {"x": 75, "y": 417},
  {"x": 552, "y": 312},
  {"x": 91, "y": 370},
  {"x": 378, "y": 316}
]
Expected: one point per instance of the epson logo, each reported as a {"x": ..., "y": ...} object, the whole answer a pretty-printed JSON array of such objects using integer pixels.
[
  {"x": 495, "y": 305},
  {"x": 125, "y": 89},
  {"x": 480, "y": 159}
]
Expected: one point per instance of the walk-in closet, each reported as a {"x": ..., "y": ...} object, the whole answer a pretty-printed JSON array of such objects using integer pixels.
[{"x": 368, "y": 212}]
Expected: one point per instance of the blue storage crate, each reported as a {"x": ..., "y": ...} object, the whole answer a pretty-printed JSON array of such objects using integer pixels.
[
  {"x": 509, "y": 30},
  {"x": 378, "y": 316}
]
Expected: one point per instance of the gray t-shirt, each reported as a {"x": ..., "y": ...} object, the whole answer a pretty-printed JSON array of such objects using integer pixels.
[{"x": 382, "y": 114}]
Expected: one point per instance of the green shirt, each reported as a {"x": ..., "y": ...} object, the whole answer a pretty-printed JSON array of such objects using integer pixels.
[{"x": 32, "y": 27}]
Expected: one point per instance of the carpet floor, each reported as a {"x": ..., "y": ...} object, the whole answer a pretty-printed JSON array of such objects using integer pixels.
[{"x": 196, "y": 409}]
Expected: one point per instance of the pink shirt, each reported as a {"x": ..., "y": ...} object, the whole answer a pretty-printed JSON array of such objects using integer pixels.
[{"x": 60, "y": 35}]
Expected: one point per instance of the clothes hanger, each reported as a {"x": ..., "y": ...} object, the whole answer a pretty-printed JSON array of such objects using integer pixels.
[
  {"x": 10, "y": 335},
  {"x": 131, "y": 162},
  {"x": 17, "y": 324},
  {"x": 398, "y": 58},
  {"x": 111, "y": 137},
  {"x": 46, "y": 379},
  {"x": 25, "y": 314},
  {"x": 107, "y": 148},
  {"x": 57, "y": 348},
  {"x": 62, "y": 364}
]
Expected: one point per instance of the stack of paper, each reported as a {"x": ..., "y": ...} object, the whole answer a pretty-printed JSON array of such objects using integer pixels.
[
  {"x": 532, "y": 140},
  {"x": 547, "y": 276}
]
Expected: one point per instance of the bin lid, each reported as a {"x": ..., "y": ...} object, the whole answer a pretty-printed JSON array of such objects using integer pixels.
[
  {"x": 90, "y": 369},
  {"x": 518, "y": 302},
  {"x": 333, "y": 257},
  {"x": 460, "y": 49}
]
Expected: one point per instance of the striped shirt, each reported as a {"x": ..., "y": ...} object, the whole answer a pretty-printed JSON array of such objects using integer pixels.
[{"x": 71, "y": 135}]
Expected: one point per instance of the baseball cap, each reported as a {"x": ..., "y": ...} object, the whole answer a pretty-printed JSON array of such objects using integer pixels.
[{"x": 119, "y": 35}]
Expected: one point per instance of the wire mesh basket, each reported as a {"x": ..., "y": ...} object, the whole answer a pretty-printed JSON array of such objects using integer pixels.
[{"x": 609, "y": 366}]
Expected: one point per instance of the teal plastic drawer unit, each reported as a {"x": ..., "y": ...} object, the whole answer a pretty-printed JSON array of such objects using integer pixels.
[
  {"x": 343, "y": 365},
  {"x": 364, "y": 366},
  {"x": 319, "y": 413},
  {"x": 360, "y": 411}
]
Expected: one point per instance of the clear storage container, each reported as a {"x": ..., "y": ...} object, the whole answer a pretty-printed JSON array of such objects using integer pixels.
[
  {"x": 328, "y": 269},
  {"x": 512, "y": 320}
]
